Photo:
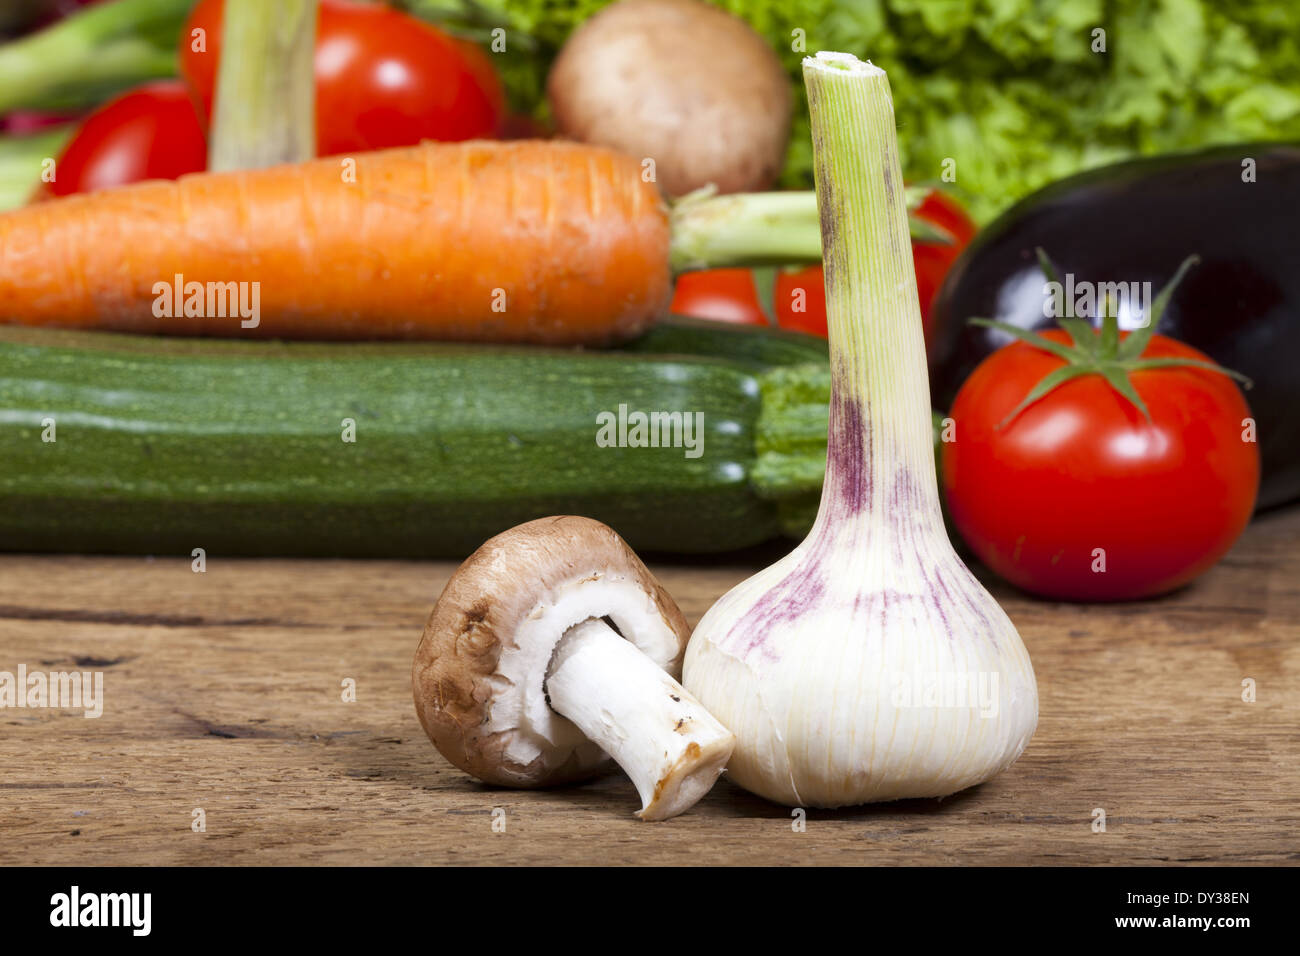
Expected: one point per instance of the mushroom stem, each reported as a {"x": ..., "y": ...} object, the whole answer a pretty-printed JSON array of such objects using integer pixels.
[{"x": 662, "y": 737}]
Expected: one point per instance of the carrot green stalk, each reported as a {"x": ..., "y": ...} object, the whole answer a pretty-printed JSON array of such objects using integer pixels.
[
  {"x": 264, "y": 111},
  {"x": 761, "y": 229},
  {"x": 746, "y": 229}
]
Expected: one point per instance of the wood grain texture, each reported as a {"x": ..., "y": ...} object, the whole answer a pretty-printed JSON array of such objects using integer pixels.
[{"x": 223, "y": 692}]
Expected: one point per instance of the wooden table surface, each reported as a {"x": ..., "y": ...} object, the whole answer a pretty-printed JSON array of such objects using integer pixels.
[{"x": 223, "y": 693}]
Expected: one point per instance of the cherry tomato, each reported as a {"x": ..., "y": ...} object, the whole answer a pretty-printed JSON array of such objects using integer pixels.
[
  {"x": 725, "y": 295},
  {"x": 382, "y": 78},
  {"x": 152, "y": 132},
  {"x": 800, "y": 297},
  {"x": 1079, "y": 497},
  {"x": 933, "y": 259},
  {"x": 480, "y": 64},
  {"x": 800, "y": 300}
]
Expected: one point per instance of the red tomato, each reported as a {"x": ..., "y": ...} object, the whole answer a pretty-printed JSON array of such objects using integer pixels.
[
  {"x": 480, "y": 64},
  {"x": 382, "y": 78},
  {"x": 151, "y": 132},
  {"x": 1080, "y": 481},
  {"x": 934, "y": 259},
  {"x": 800, "y": 300},
  {"x": 726, "y": 295},
  {"x": 806, "y": 289}
]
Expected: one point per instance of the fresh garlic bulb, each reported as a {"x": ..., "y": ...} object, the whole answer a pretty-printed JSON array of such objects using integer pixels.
[{"x": 868, "y": 664}]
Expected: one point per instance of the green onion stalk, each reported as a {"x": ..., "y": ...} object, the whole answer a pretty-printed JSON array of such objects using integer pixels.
[
  {"x": 87, "y": 57},
  {"x": 265, "y": 107},
  {"x": 22, "y": 159}
]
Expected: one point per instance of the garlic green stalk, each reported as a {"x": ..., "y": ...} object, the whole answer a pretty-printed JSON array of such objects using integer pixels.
[{"x": 868, "y": 664}]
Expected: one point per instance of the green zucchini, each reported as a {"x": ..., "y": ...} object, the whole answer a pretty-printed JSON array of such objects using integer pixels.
[{"x": 166, "y": 445}]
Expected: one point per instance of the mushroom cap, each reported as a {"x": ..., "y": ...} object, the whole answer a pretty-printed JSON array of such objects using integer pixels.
[
  {"x": 479, "y": 675},
  {"x": 679, "y": 81}
]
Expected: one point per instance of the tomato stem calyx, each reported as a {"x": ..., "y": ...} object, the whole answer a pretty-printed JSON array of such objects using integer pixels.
[{"x": 1103, "y": 351}]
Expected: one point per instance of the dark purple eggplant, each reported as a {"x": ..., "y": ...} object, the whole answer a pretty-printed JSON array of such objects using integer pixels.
[{"x": 1135, "y": 222}]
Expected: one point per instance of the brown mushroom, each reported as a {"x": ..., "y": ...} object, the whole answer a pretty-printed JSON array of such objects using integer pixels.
[
  {"x": 681, "y": 82},
  {"x": 520, "y": 681}
]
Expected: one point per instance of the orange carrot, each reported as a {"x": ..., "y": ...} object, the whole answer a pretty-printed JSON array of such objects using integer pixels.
[{"x": 526, "y": 241}]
